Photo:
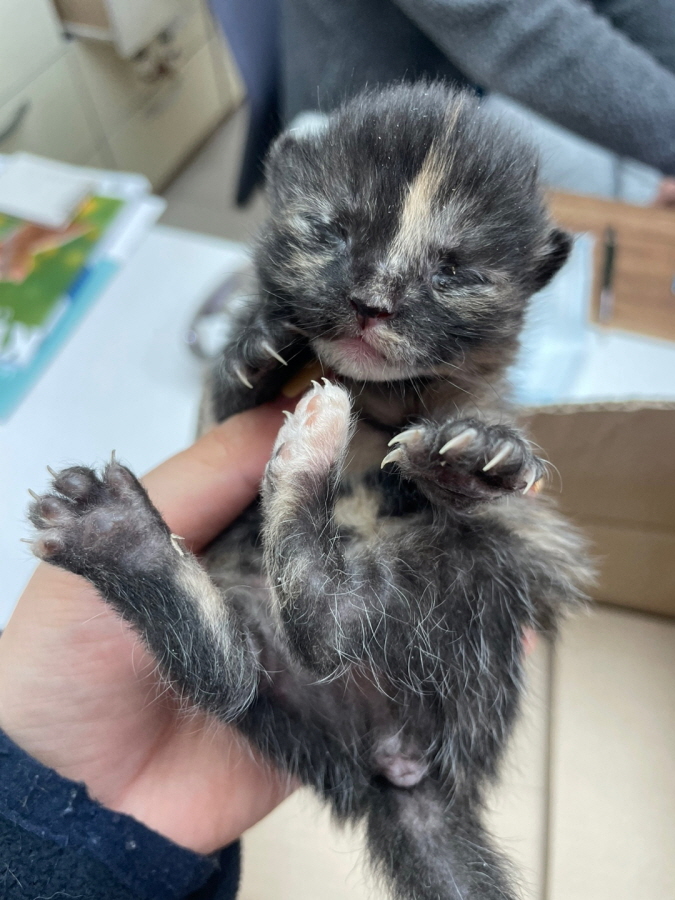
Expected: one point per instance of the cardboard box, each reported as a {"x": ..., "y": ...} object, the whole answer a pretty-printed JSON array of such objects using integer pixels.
[
  {"x": 617, "y": 481},
  {"x": 616, "y": 461}
]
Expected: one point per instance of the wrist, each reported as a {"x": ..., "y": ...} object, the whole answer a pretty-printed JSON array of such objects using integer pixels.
[{"x": 41, "y": 809}]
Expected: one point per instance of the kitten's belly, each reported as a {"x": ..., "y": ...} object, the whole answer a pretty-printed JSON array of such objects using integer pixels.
[
  {"x": 367, "y": 509},
  {"x": 373, "y": 503},
  {"x": 367, "y": 449}
]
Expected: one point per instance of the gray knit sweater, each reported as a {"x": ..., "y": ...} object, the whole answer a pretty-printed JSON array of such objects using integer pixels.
[{"x": 604, "y": 70}]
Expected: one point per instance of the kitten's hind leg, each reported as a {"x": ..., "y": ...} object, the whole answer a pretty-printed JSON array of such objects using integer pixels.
[
  {"x": 427, "y": 847},
  {"x": 107, "y": 530},
  {"x": 466, "y": 462}
]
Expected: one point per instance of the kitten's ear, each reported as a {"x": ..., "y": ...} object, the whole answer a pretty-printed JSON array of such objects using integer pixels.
[
  {"x": 286, "y": 162},
  {"x": 555, "y": 254}
]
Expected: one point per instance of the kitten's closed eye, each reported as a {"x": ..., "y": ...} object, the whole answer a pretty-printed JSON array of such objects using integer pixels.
[
  {"x": 326, "y": 233},
  {"x": 452, "y": 274},
  {"x": 445, "y": 277}
]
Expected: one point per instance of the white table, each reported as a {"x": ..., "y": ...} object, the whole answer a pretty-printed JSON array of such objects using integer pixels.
[{"x": 126, "y": 381}]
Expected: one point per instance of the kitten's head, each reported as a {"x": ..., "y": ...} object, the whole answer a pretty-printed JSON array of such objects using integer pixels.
[{"x": 407, "y": 236}]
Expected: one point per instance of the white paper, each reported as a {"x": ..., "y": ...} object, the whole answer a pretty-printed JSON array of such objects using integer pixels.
[
  {"x": 557, "y": 333},
  {"x": 42, "y": 190}
]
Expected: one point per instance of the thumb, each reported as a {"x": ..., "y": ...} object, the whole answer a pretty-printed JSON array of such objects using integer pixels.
[{"x": 204, "y": 488}]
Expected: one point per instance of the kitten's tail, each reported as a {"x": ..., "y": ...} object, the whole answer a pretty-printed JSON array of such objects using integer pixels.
[{"x": 429, "y": 850}]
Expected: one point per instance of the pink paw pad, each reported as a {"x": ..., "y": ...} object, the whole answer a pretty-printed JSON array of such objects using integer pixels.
[{"x": 318, "y": 432}]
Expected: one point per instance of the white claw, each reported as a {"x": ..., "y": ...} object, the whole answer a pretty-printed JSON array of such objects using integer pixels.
[
  {"x": 244, "y": 380},
  {"x": 405, "y": 437},
  {"x": 288, "y": 414},
  {"x": 499, "y": 456},
  {"x": 532, "y": 477},
  {"x": 33, "y": 494},
  {"x": 268, "y": 348},
  {"x": 176, "y": 540},
  {"x": 460, "y": 441},
  {"x": 395, "y": 456},
  {"x": 51, "y": 472},
  {"x": 296, "y": 329}
]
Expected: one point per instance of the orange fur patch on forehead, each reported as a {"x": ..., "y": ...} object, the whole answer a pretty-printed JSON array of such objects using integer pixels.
[{"x": 417, "y": 212}]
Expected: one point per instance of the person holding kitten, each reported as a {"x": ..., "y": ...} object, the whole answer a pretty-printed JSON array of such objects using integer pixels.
[
  {"x": 100, "y": 789},
  {"x": 603, "y": 69}
]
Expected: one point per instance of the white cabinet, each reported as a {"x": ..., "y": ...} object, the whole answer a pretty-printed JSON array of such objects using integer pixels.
[
  {"x": 53, "y": 120},
  {"x": 79, "y": 100},
  {"x": 30, "y": 39},
  {"x": 113, "y": 83},
  {"x": 161, "y": 135},
  {"x": 129, "y": 24}
]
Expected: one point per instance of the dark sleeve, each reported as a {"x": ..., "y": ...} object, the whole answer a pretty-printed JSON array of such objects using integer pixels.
[
  {"x": 562, "y": 59},
  {"x": 57, "y": 842}
]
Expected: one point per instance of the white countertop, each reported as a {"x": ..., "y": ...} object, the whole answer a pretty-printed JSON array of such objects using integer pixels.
[{"x": 125, "y": 380}]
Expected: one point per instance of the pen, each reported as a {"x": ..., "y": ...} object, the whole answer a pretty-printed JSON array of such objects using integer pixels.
[{"x": 606, "y": 309}]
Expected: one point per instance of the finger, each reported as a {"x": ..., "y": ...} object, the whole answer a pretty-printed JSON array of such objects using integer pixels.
[
  {"x": 201, "y": 490},
  {"x": 530, "y": 640},
  {"x": 666, "y": 193}
]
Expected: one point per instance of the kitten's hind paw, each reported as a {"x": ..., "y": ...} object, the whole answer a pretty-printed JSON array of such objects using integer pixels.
[
  {"x": 467, "y": 459},
  {"x": 91, "y": 522}
]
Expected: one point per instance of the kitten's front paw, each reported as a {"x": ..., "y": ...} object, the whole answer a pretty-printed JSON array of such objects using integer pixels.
[
  {"x": 315, "y": 437},
  {"x": 92, "y": 523},
  {"x": 262, "y": 349},
  {"x": 467, "y": 458}
]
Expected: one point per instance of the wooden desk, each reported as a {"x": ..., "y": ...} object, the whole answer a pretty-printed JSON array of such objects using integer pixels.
[{"x": 644, "y": 265}]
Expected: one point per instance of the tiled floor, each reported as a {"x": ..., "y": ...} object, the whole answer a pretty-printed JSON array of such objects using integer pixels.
[{"x": 586, "y": 806}]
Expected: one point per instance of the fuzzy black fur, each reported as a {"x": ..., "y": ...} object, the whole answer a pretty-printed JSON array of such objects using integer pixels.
[{"x": 364, "y": 626}]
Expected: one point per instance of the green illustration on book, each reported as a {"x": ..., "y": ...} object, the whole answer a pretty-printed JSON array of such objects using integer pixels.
[{"x": 38, "y": 269}]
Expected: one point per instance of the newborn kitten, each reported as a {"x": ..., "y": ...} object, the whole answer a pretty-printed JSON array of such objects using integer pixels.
[{"x": 363, "y": 624}]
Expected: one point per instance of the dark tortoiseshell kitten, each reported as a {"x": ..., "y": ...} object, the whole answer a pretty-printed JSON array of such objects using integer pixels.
[{"x": 363, "y": 623}]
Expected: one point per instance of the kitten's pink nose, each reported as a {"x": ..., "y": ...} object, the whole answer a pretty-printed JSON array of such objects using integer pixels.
[{"x": 367, "y": 314}]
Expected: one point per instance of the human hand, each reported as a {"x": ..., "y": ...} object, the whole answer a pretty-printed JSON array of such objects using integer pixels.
[
  {"x": 80, "y": 693},
  {"x": 665, "y": 197}
]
